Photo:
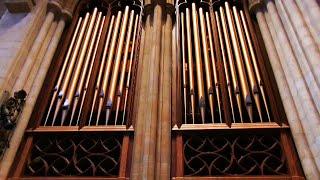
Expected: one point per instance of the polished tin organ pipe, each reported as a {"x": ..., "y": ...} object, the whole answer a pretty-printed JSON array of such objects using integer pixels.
[
  {"x": 67, "y": 77},
  {"x": 102, "y": 65},
  {"x": 190, "y": 63},
  {"x": 255, "y": 64},
  {"x": 200, "y": 83},
  {"x": 245, "y": 51},
  {"x": 90, "y": 69},
  {"x": 116, "y": 67},
  {"x": 88, "y": 60},
  {"x": 225, "y": 63},
  {"x": 184, "y": 78},
  {"x": 235, "y": 83},
  {"x": 130, "y": 67},
  {"x": 206, "y": 63},
  {"x": 241, "y": 70},
  {"x": 64, "y": 66},
  {"x": 214, "y": 65},
  {"x": 123, "y": 70},
  {"x": 75, "y": 77},
  {"x": 108, "y": 66}
]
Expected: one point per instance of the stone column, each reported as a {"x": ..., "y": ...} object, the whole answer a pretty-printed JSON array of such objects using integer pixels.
[
  {"x": 37, "y": 61},
  {"x": 304, "y": 35},
  {"x": 163, "y": 156},
  {"x": 308, "y": 67},
  {"x": 33, "y": 95},
  {"x": 297, "y": 83},
  {"x": 144, "y": 150},
  {"x": 34, "y": 52},
  {"x": 311, "y": 12},
  {"x": 294, "y": 120}
]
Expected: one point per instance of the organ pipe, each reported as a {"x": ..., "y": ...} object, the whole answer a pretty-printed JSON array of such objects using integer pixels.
[
  {"x": 201, "y": 64},
  {"x": 112, "y": 75}
]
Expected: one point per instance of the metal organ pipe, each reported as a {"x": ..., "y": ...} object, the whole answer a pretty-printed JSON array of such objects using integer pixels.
[
  {"x": 252, "y": 79},
  {"x": 214, "y": 65},
  {"x": 184, "y": 64},
  {"x": 112, "y": 75},
  {"x": 65, "y": 64},
  {"x": 255, "y": 64},
  {"x": 130, "y": 66},
  {"x": 231, "y": 62},
  {"x": 124, "y": 63},
  {"x": 80, "y": 60},
  {"x": 70, "y": 69},
  {"x": 116, "y": 66},
  {"x": 88, "y": 60},
  {"x": 240, "y": 66},
  {"x": 238, "y": 62},
  {"x": 108, "y": 66},
  {"x": 102, "y": 65},
  {"x": 207, "y": 63},
  {"x": 199, "y": 71},
  {"x": 225, "y": 63},
  {"x": 90, "y": 70}
]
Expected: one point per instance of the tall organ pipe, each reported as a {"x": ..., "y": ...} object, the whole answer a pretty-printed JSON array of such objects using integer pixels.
[
  {"x": 200, "y": 83},
  {"x": 225, "y": 65},
  {"x": 252, "y": 79},
  {"x": 184, "y": 78},
  {"x": 116, "y": 66},
  {"x": 255, "y": 64},
  {"x": 108, "y": 65},
  {"x": 130, "y": 66},
  {"x": 190, "y": 63},
  {"x": 240, "y": 66},
  {"x": 64, "y": 66},
  {"x": 214, "y": 66},
  {"x": 207, "y": 63},
  {"x": 102, "y": 64},
  {"x": 70, "y": 68},
  {"x": 122, "y": 72},
  {"x": 88, "y": 60},
  {"x": 76, "y": 74},
  {"x": 235, "y": 83},
  {"x": 90, "y": 69}
]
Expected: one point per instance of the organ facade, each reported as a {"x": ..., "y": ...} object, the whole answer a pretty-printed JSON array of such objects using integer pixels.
[{"x": 160, "y": 89}]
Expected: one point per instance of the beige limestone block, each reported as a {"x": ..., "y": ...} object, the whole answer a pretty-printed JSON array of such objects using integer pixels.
[
  {"x": 300, "y": 140},
  {"x": 295, "y": 79},
  {"x": 33, "y": 52}
]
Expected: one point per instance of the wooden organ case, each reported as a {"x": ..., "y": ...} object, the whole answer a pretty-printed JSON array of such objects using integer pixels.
[
  {"x": 81, "y": 125},
  {"x": 228, "y": 122}
]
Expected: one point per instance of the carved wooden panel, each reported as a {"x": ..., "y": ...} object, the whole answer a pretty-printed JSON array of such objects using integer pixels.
[
  {"x": 233, "y": 155},
  {"x": 75, "y": 155}
]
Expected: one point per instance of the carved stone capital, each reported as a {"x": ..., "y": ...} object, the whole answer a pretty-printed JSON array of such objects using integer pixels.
[
  {"x": 255, "y": 5},
  {"x": 68, "y": 9}
]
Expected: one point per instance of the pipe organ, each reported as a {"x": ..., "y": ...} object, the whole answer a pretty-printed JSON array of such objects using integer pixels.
[
  {"x": 214, "y": 107},
  {"x": 202, "y": 98},
  {"x": 111, "y": 80}
]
